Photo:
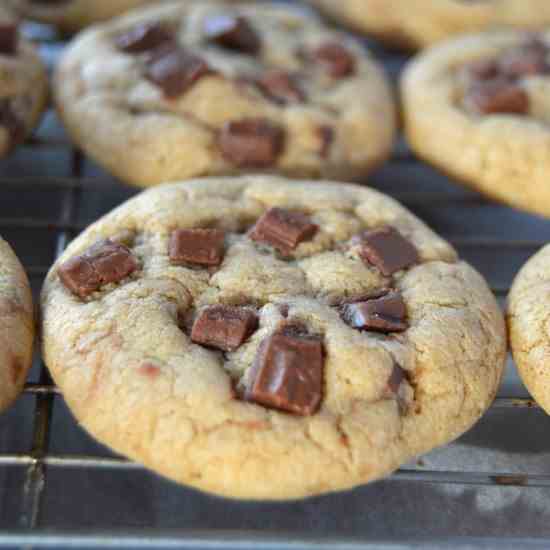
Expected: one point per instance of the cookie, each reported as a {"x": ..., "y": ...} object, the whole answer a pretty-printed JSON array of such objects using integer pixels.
[
  {"x": 263, "y": 338},
  {"x": 73, "y": 15},
  {"x": 201, "y": 88},
  {"x": 433, "y": 20},
  {"x": 23, "y": 85},
  {"x": 528, "y": 327},
  {"x": 16, "y": 326},
  {"x": 477, "y": 108}
]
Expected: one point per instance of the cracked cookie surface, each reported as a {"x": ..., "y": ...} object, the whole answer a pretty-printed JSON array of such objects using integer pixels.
[
  {"x": 433, "y": 20},
  {"x": 330, "y": 339},
  {"x": 73, "y": 15},
  {"x": 208, "y": 88},
  {"x": 16, "y": 326},
  {"x": 23, "y": 85},
  {"x": 528, "y": 324},
  {"x": 477, "y": 108}
]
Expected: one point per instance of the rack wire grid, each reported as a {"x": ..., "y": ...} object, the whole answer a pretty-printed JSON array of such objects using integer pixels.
[{"x": 60, "y": 489}]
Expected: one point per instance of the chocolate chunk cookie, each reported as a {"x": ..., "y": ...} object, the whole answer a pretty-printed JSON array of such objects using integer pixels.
[
  {"x": 73, "y": 15},
  {"x": 308, "y": 336},
  {"x": 527, "y": 323},
  {"x": 416, "y": 25},
  {"x": 203, "y": 87},
  {"x": 478, "y": 108},
  {"x": 16, "y": 326},
  {"x": 23, "y": 85}
]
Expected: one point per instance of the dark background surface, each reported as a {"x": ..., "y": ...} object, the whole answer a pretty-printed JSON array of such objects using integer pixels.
[{"x": 494, "y": 482}]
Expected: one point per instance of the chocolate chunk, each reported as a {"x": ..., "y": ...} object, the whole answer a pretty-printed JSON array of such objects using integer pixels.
[
  {"x": 224, "y": 327},
  {"x": 103, "y": 263},
  {"x": 175, "y": 71},
  {"x": 483, "y": 69},
  {"x": 338, "y": 60},
  {"x": 385, "y": 314},
  {"x": 9, "y": 37},
  {"x": 280, "y": 87},
  {"x": 197, "y": 246},
  {"x": 528, "y": 60},
  {"x": 232, "y": 32},
  {"x": 144, "y": 38},
  {"x": 396, "y": 377},
  {"x": 326, "y": 135},
  {"x": 497, "y": 96},
  {"x": 251, "y": 142},
  {"x": 387, "y": 250},
  {"x": 283, "y": 229},
  {"x": 288, "y": 373}
]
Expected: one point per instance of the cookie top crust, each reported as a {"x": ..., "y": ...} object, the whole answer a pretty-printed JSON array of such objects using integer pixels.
[
  {"x": 194, "y": 88},
  {"x": 477, "y": 107},
  {"x": 23, "y": 84},
  {"x": 16, "y": 326},
  {"x": 433, "y": 20},
  {"x": 301, "y": 354}
]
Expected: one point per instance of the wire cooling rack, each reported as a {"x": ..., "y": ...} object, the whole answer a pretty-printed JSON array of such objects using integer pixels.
[{"x": 59, "y": 489}]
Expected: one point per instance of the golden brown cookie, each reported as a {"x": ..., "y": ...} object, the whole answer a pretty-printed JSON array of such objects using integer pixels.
[
  {"x": 528, "y": 325},
  {"x": 421, "y": 23},
  {"x": 478, "y": 107},
  {"x": 264, "y": 338},
  {"x": 195, "y": 88},
  {"x": 73, "y": 15},
  {"x": 16, "y": 326},
  {"x": 23, "y": 85}
]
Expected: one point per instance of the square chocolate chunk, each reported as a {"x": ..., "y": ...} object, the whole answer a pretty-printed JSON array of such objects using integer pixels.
[
  {"x": 387, "y": 250},
  {"x": 144, "y": 38},
  {"x": 197, "y": 246},
  {"x": 232, "y": 32},
  {"x": 103, "y": 263},
  {"x": 288, "y": 373},
  {"x": 280, "y": 87},
  {"x": 387, "y": 313},
  {"x": 175, "y": 71},
  {"x": 498, "y": 95},
  {"x": 8, "y": 38},
  {"x": 224, "y": 327},
  {"x": 338, "y": 60},
  {"x": 251, "y": 142},
  {"x": 283, "y": 229}
]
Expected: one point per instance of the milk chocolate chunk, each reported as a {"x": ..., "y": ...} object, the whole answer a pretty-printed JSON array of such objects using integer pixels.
[
  {"x": 232, "y": 32},
  {"x": 497, "y": 96},
  {"x": 144, "y": 38},
  {"x": 280, "y": 87},
  {"x": 288, "y": 373},
  {"x": 175, "y": 71},
  {"x": 103, "y": 263},
  {"x": 387, "y": 250},
  {"x": 203, "y": 247},
  {"x": 8, "y": 38},
  {"x": 224, "y": 327},
  {"x": 338, "y": 60},
  {"x": 396, "y": 377},
  {"x": 283, "y": 229},
  {"x": 11, "y": 122},
  {"x": 251, "y": 142},
  {"x": 385, "y": 314}
]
